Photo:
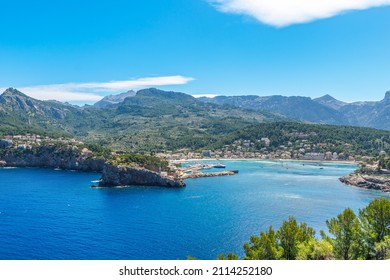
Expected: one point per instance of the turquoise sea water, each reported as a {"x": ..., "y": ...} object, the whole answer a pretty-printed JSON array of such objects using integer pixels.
[{"x": 48, "y": 214}]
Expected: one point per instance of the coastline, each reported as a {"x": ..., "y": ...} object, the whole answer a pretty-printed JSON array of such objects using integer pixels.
[
  {"x": 144, "y": 203},
  {"x": 379, "y": 182},
  {"x": 72, "y": 158},
  {"x": 120, "y": 175},
  {"x": 259, "y": 159}
]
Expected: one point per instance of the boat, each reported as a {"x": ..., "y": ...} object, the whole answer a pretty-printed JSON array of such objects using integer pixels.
[{"x": 219, "y": 165}]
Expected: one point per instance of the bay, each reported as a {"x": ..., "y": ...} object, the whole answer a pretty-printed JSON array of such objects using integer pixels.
[{"x": 51, "y": 214}]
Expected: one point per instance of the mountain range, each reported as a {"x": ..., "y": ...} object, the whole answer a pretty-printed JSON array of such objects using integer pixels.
[
  {"x": 114, "y": 99},
  {"x": 154, "y": 120},
  {"x": 325, "y": 109},
  {"x": 151, "y": 119}
]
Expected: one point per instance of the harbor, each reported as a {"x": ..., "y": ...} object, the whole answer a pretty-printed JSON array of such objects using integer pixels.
[{"x": 199, "y": 170}]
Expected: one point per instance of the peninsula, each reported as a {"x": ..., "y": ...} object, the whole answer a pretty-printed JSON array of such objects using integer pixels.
[
  {"x": 373, "y": 181},
  {"x": 70, "y": 154},
  {"x": 375, "y": 176}
]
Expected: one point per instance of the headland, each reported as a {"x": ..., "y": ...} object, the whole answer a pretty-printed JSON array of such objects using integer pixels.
[{"x": 116, "y": 169}]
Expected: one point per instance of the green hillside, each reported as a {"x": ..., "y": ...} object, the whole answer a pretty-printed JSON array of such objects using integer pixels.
[{"x": 152, "y": 120}]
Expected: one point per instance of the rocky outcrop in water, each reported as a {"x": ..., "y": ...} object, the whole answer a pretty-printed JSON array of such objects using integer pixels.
[
  {"x": 123, "y": 176},
  {"x": 70, "y": 158},
  {"x": 367, "y": 181}
]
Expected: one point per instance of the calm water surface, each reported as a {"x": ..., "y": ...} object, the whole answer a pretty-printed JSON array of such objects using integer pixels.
[{"x": 48, "y": 214}]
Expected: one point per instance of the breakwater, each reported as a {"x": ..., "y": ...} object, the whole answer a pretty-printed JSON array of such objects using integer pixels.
[{"x": 209, "y": 174}]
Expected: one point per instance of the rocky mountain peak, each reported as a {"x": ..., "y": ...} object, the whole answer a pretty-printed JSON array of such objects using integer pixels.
[
  {"x": 114, "y": 99},
  {"x": 327, "y": 97},
  {"x": 165, "y": 95},
  {"x": 330, "y": 101},
  {"x": 13, "y": 96},
  {"x": 13, "y": 92},
  {"x": 387, "y": 96}
]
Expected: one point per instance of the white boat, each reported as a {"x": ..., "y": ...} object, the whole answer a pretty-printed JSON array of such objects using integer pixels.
[{"x": 201, "y": 166}]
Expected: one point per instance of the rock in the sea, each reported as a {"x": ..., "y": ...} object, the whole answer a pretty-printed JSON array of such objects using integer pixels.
[
  {"x": 367, "y": 181},
  {"x": 125, "y": 176},
  {"x": 71, "y": 159}
]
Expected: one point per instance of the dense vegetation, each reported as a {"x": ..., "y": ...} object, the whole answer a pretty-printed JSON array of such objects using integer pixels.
[
  {"x": 66, "y": 149},
  {"x": 146, "y": 161},
  {"x": 155, "y": 120},
  {"x": 365, "y": 236},
  {"x": 384, "y": 163},
  {"x": 355, "y": 140},
  {"x": 12, "y": 125}
]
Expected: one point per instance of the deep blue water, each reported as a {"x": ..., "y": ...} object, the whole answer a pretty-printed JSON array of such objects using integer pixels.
[{"x": 48, "y": 214}]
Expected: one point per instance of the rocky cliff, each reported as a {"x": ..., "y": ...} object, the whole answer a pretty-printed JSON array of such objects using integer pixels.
[
  {"x": 123, "y": 175},
  {"x": 51, "y": 157},
  {"x": 72, "y": 159},
  {"x": 367, "y": 181}
]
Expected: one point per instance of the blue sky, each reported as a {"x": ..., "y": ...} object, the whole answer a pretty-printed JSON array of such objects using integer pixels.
[{"x": 74, "y": 50}]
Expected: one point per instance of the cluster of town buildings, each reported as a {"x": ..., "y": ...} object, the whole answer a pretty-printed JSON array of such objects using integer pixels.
[
  {"x": 28, "y": 141},
  {"x": 301, "y": 149}
]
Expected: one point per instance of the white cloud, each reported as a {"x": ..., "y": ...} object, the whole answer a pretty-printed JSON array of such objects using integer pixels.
[
  {"x": 92, "y": 92},
  {"x": 60, "y": 92},
  {"x": 287, "y": 12},
  {"x": 209, "y": 95}
]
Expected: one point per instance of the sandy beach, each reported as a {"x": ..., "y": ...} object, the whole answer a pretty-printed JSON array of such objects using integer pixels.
[{"x": 258, "y": 159}]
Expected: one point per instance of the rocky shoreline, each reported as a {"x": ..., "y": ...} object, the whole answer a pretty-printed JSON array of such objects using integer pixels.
[
  {"x": 72, "y": 159},
  {"x": 124, "y": 176},
  {"x": 49, "y": 157},
  {"x": 373, "y": 181}
]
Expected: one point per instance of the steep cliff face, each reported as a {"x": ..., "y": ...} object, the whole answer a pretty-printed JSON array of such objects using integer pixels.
[
  {"x": 52, "y": 157},
  {"x": 71, "y": 159},
  {"x": 122, "y": 176}
]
